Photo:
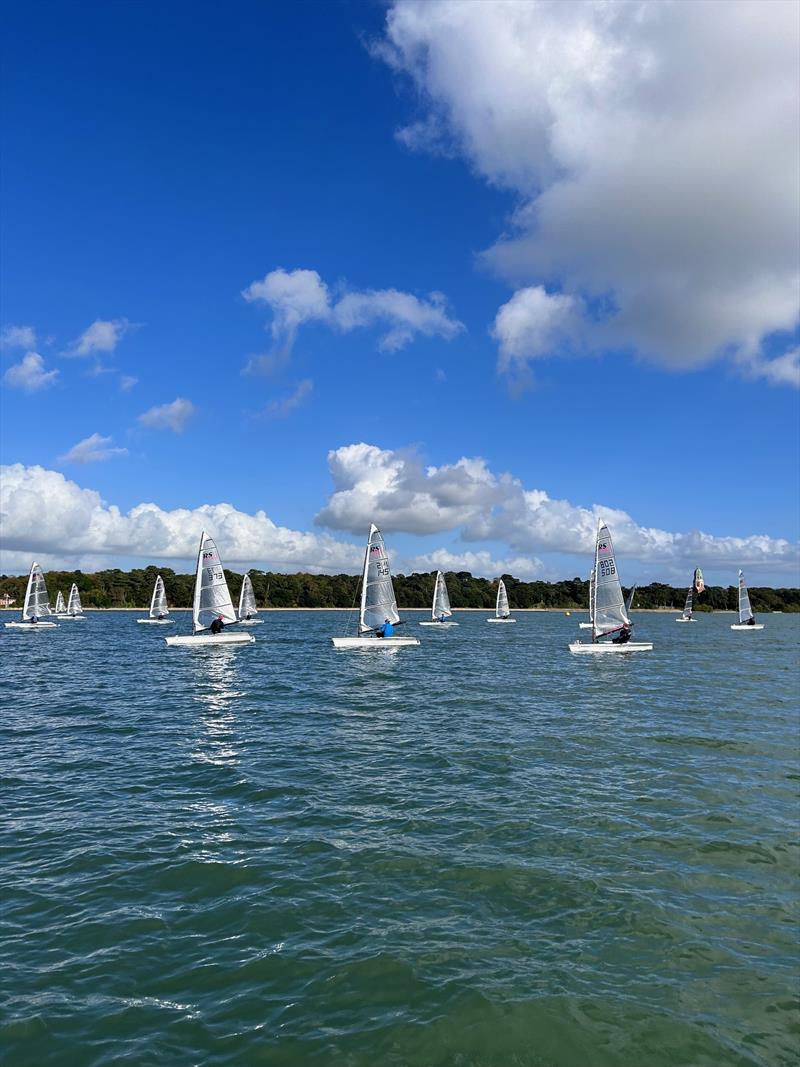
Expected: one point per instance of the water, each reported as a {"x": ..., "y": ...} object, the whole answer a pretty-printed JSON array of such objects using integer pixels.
[{"x": 482, "y": 851}]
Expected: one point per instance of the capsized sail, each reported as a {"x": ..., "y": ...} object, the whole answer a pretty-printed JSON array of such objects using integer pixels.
[
  {"x": 37, "y": 602},
  {"x": 501, "y": 609},
  {"x": 212, "y": 599},
  {"x": 609, "y": 613},
  {"x": 247, "y": 599},
  {"x": 74, "y": 605},
  {"x": 158, "y": 601},
  {"x": 745, "y": 611},
  {"x": 60, "y": 607},
  {"x": 377, "y": 592},
  {"x": 697, "y": 582},
  {"x": 441, "y": 599}
]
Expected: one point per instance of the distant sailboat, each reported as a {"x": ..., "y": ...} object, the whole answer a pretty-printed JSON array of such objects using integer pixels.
[
  {"x": 377, "y": 601},
  {"x": 158, "y": 605},
  {"x": 697, "y": 586},
  {"x": 609, "y": 613},
  {"x": 629, "y": 601},
  {"x": 747, "y": 620},
  {"x": 60, "y": 609},
  {"x": 212, "y": 600},
  {"x": 74, "y": 608},
  {"x": 36, "y": 607},
  {"x": 441, "y": 611},
  {"x": 588, "y": 625},
  {"x": 501, "y": 609},
  {"x": 247, "y": 604}
]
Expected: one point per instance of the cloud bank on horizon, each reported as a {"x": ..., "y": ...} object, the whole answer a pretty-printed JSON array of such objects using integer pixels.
[
  {"x": 44, "y": 513},
  {"x": 594, "y": 114}
]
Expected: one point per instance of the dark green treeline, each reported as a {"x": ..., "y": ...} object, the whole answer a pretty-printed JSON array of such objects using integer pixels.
[{"x": 132, "y": 589}]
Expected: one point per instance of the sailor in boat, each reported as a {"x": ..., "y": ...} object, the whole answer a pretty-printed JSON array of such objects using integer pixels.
[
  {"x": 248, "y": 617},
  {"x": 387, "y": 630},
  {"x": 34, "y": 619},
  {"x": 623, "y": 637},
  {"x": 751, "y": 621},
  {"x": 161, "y": 615},
  {"x": 217, "y": 625},
  {"x": 442, "y": 617}
]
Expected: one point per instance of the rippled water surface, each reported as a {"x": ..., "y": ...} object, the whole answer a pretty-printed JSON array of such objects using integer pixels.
[{"x": 482, "y": 851}]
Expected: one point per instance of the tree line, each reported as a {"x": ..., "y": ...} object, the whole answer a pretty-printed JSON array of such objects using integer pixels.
[{"x": 132, "y": 589}]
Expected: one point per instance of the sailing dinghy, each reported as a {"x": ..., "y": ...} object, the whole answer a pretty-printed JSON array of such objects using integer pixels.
[
  {"x": 588, "y": 625},
  {"x": 74, "y": 608},
  {"x": 247, "y": 604},
  {"x": 501, "y": 609},
  {"x": 687, "y": 607},
  {"x": 158, "y": 605},
  {"x": 747, "y": 620},
  {"x": 60, "y": 609},
  {"x": 212, "y": 600},
  {"x": 441, "y": 611},
  {"x": 377, "y": 601},
  {"x": 36, "y": 607},
  {"x": 609, "y": 613}
]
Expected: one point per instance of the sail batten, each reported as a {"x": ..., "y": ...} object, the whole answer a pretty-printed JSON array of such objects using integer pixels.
[
  {"x": 441, "y": 599},
  {"x": 37, "y": 602},
  {"x": 377, "y": 592},
  {"x": 212, "y": 599},
  {"x": 247, "y": 599},
  {"x": 609, "y": 614}
]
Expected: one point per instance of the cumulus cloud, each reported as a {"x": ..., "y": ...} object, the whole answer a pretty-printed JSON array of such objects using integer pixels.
[
  {"x": 481, "y": 564},
  {"x": 101, "y": 338},
  {"x": 92, "y": 449},
  {"x": 18, "y": 337},
  {"x": 172, "y": 416},
  {"x": 653, "y": 149},
  {"x": 279, "y": 409},
  {"x": 783, "y": 370},
  {"x": 29, "y": 374},
  {"x": 395, "y": 490},
  {"x": 299, "y": 296},
  {"x": 533, "y": 324},
  {"x": 127, "y": 382},
  {"x": 44, "y": 513}
]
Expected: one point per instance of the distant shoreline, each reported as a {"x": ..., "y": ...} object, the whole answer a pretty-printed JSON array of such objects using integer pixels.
[{"x": 456, "y": 611}]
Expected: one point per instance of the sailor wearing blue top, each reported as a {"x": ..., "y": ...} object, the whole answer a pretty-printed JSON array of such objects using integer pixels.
[{"x": 387, "y": 630}]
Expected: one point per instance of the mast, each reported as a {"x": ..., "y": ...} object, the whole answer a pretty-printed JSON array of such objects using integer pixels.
[
  {"x": 593, "y": 590},
  {"x": 361, "y": 627},
  {"x": 28, "y": 588},
  {"x": 241, "y": 596},
  {"x": 197, "y": 583}
]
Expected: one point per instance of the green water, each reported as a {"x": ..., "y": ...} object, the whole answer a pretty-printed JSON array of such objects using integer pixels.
[{"x": 482, "y": 851}]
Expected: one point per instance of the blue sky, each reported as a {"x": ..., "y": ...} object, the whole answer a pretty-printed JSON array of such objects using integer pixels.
[{"x": 160, "y": 160}]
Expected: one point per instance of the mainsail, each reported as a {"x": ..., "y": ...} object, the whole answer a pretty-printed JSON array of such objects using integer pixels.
[
  {"x": 60, "y": 607},
  {"x": 37, "y": 602},
  {"x": 687, "y": 607},
  {"x": 247, "y": 599},
  {"x": 158, "y": 601},
  {"x": 745, "y": 611},
  {"x": 441, "y": 600},
  {"x": 74, "y": 605},
  {"x": 377, "y": 592},
  {"x": 609, "y": 614},
  {"x": 501, "y": 608},
  {"x": 211, "y": 597}
]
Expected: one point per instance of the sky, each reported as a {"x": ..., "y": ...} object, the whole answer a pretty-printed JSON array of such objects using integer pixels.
[{"x": 479, "y": 273}]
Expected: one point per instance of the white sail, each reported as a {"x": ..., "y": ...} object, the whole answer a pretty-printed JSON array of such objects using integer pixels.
[
  {"x": 74, "y": 605},
  {"x": 158, "y": 601},
  {"x": 441, "y": 600},
  {"x": 37, "y": 602},
  {"x": 377, "y": 592},
  {"x": 745, "y": 611},
  {"x": 60, "y": 607},
  {"x": 501, "y": 609},
  {"x": 211, "y": 597},
  {"x": 687, "y": 607},
  {"x": 247, "y": 599},
  {"x": 629, "y": 601},
  {"x": 609, "y": 613}
]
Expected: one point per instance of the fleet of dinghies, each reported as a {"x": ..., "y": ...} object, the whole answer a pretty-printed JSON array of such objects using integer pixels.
[{"x": 212, "y": 608}]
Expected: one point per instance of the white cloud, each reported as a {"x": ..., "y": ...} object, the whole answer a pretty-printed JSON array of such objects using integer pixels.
[
  {"x": 101, "y": 338},
  {"x": 29, "y": 374},
  {"x": 172, "y": 416},
  {"x": 44, "y": 513},
  {"x": 279, "y": 409},
  {"x": 653, "y": 148},
  {"x": 127, "y": 382},
  {"x": 532, "y": 324},
  {"x": 18, "y": 337},
  {"x": 481, "y": 564},
  {"x": 394, "y": 490},
  {"x": 92, "y": 450},
  {"x": 783, "y": 370},
  {"x": 300, "y": 296}
]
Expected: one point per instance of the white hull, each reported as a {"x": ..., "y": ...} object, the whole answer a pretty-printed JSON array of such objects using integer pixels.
[
  {"x": 204, "y": 639},
  {"x": 72, "y": 618},
  {"x": 155, "y": 622},
  {"x": 743, "y": 626},
  {"x": 250, "y": 622},
  {"x": 31, "y": 626},
  {"x": 584, "y": 648},
  {"x": 501, "y": 620},
  {"x": 684, "y": 620},
  {"x": 373, "y": 642},
  {"x": 439, "y": 625},
  {"x": 584, "y": 626}
]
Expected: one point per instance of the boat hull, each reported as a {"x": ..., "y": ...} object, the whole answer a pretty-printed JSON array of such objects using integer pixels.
[
  {"x": 205, "y": 640},
  {"x": 744, "y": 626},
  {"x": 31, "y": 626},
  {"x": 72, "y": 618},
  {"x": 156, "y": 622},
  {"x": 583, "y": 648},
  {"x": 374, "y": 642},
  {"x": 684, "y": 620},
  {"x": 250, "y": 622},
  {"x": 501, "y": 620},
  {"x": 439, "y": 625}
]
